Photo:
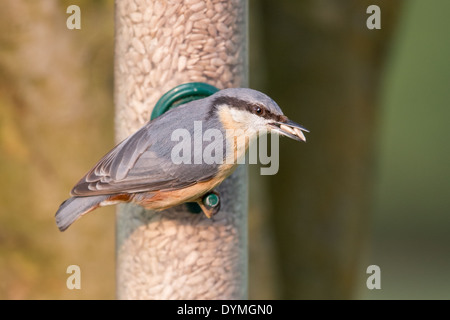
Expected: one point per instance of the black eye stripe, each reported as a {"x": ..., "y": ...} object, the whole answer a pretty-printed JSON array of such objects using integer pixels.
[{"x": 250, "y": 107}]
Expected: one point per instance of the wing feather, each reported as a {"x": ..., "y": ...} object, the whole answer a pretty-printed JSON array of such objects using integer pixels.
[{"x": 142, "y": 163}]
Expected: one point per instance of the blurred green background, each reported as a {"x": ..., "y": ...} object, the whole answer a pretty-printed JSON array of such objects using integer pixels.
[
  {"x": 411, "y": 218},
  {"x": 371, "y": 186}
]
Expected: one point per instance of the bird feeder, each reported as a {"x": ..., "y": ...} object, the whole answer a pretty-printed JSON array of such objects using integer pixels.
[{"x": 159, "y": 45}]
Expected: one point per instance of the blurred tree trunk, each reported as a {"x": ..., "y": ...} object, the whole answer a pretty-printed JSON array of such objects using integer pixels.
[
  {"x": 323, "y": 67},
  {"x": 55, "y": 122}
]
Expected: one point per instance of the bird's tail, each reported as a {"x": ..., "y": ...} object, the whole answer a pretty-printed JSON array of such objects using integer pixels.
[{"x": 73, "y": 208}]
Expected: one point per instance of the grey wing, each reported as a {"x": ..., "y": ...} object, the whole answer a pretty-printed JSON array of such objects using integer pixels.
[{"x": 142, "y": 164}]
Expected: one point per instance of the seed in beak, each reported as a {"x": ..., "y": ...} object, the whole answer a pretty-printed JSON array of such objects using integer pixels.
[
  {"x": 287, "y": 128},
  {"x": 300, "y": 134}
]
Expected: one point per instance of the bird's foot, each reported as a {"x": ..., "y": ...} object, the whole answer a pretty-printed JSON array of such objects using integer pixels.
[{"x": 210, "y": 203}]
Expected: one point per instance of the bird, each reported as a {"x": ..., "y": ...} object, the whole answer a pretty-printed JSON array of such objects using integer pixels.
[{"x": 141, "y": 169}]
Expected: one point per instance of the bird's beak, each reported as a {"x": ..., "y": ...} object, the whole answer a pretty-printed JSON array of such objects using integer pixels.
[{"x": 289, "y": 129}]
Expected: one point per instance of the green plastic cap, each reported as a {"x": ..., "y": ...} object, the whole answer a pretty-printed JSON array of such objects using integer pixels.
[{"x": 212, "y": 200}]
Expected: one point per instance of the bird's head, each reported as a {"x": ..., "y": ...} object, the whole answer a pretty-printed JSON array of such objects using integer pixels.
[{"x": 251, "y": 110}]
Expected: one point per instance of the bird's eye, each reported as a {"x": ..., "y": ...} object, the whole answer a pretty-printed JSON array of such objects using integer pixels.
[{"x": 258, "y": 110}]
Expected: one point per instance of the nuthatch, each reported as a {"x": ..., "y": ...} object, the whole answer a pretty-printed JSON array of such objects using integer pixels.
[{"x": 141, "y": 170}]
